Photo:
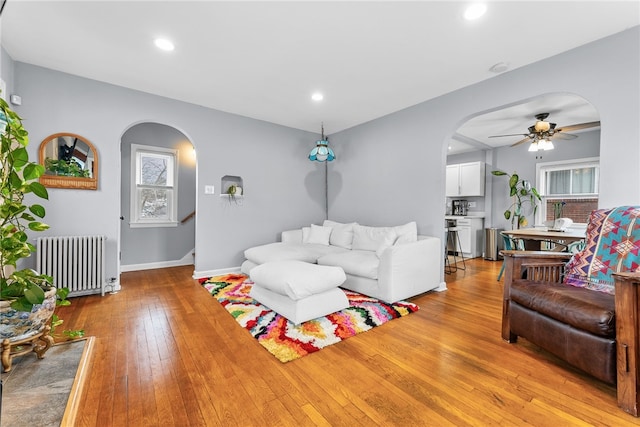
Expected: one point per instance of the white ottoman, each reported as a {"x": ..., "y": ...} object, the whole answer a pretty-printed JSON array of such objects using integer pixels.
[{"x": 298, "y": 290}]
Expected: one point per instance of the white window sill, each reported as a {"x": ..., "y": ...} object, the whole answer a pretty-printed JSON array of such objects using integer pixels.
[{"x": 152, "y": 224}]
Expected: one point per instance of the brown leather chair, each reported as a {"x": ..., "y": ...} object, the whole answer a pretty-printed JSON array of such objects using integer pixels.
[{"x": 547, "y": 302}]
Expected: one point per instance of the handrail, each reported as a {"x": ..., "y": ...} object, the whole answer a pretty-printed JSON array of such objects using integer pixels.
[{"x": 188, "y": 217}]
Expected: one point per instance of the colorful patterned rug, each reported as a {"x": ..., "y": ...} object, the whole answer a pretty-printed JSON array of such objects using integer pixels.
[{"x": 287, "y": 341}]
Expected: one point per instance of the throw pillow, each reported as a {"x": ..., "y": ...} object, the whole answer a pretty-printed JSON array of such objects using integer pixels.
[
  {"x": 407, "y": 233},
  {"x": 341, "y": 234},
  {"x": 317, "y": 234},
  {"x": 387, "y": 243},
  {"x": 371, "y": 238},
  {"x": 305, "y": 234}
]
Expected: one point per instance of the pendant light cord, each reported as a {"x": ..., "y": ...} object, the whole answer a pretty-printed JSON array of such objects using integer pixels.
[{"x": 326, "y": 189}]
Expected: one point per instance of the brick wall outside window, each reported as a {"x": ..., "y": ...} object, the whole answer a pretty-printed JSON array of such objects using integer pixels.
[{"x": 576, "y": 209}]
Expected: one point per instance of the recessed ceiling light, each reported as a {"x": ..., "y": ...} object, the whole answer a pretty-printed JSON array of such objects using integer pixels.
[
  {"x": 475, "y": 11},
  {"x": 317, "y": 96},
  {"x": 164, "y": 44}
]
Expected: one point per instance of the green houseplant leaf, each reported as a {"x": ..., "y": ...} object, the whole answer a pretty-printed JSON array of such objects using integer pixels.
[
  {"x": 522, "y": 196},
  {"x": 37, "y": 210}
]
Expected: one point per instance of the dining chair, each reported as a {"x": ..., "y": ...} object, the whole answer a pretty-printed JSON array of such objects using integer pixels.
[{"x": 509, "y": 244}]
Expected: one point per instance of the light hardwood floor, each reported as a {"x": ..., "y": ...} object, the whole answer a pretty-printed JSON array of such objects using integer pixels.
[{"x": 168, "y": 354}]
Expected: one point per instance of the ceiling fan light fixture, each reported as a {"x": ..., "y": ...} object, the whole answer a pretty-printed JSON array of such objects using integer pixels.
[
  {"x": 546, "y": 145},
  {"x": 534, "y": 146},
  {"x": 542, "y": 126}
]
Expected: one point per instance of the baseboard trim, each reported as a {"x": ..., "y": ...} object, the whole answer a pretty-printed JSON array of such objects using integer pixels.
[
  {"x": 154, "y": 265},
  {"x": 442, "y": 287},
  {"x": 218, "y": 272}
]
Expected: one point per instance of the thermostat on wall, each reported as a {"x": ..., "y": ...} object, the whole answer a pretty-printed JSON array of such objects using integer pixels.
[{"x": 16, "y": 100}]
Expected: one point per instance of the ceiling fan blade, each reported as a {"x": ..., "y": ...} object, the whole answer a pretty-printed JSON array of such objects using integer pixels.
[
  {"x": 578, "y": 126},
  {"x": 564, "y": 136},
  {"x": 513, "y": 134},
  {"x": 523, "y": 140}
]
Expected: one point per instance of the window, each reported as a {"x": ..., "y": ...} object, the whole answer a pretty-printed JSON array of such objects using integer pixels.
[
  {"x": 154, "y": 187},
  {"x": 574, "y": 183}
]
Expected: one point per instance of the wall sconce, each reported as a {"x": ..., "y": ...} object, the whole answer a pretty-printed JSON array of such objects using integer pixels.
[{"x": 322, "y": 152}]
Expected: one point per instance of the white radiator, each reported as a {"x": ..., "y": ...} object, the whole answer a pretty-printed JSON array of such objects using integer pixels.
[{"x": 74, "y": 262}]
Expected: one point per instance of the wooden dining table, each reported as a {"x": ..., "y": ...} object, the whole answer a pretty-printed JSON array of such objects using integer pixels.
[{"x": 535, "y": 238}]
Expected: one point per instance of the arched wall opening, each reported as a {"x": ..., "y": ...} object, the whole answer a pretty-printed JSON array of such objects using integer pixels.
[{"x": 155, "y": 247}]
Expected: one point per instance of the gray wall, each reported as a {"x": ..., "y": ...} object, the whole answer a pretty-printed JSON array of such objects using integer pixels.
[
  {"x": 157, "y": 244},
  {"x": 392, "y": 169},
  {"x": 283, "y": 189}
]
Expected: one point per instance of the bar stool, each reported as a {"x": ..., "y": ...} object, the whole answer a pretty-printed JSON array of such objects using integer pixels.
[
  {"x": 447, "y": 264},
  {"x": 454, "y": 238}
]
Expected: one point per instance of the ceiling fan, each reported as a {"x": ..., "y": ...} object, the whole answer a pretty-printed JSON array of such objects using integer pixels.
[{"x": 541, "y": 133}]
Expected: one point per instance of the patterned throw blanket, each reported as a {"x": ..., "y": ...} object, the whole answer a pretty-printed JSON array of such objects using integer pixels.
[{"x": 612, "y": 246}]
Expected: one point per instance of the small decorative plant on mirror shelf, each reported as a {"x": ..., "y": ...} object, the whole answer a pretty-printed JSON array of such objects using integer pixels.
[{"x": 522, "y": 194}]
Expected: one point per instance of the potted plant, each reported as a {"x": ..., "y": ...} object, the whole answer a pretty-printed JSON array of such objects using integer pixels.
[
  {"x": 521, "y": 193},
  {"x": 27, "y": 299}
]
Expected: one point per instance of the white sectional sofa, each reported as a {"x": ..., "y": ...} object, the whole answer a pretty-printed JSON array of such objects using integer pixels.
[{"x": 388, "y": 263}]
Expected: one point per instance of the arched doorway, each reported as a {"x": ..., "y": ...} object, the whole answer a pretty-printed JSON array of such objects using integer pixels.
[
  {"x": 473, "y": 142},
  {"x": 170, "y": 240}
]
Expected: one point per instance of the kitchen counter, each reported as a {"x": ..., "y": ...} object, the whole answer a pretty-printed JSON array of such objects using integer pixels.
[{"x": 470, "y": 215}]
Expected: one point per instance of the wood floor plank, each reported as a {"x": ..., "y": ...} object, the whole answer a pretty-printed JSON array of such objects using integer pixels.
[{"x": 169, "y": 354}]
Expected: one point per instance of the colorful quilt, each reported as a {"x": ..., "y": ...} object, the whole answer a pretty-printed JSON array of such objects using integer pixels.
[{"x": 612, "y": 245}]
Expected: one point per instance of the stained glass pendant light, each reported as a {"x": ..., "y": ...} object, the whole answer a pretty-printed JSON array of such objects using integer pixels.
[{"x": 322, "y": 152}]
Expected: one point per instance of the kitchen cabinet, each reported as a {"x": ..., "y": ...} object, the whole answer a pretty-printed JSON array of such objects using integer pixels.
[
  {"x": 470, "y": 232},
  {"x": 465, "y": 179}
]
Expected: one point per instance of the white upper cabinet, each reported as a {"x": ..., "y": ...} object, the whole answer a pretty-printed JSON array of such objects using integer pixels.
[{"x": 465, "y": 179}]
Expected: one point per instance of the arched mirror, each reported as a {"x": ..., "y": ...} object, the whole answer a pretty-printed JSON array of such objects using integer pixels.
[{"x": 70, "y": 161}]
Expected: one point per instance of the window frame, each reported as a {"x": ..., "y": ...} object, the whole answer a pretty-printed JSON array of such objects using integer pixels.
[
  {"x": 135, "y": 221},
  {"x": 541, "y": 184}
]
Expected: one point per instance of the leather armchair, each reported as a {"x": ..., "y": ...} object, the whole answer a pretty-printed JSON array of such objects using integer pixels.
[{"x": 568, "y": 304}]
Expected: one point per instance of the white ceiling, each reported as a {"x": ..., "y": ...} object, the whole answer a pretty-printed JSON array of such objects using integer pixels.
[{"x": 264, "y": 59}]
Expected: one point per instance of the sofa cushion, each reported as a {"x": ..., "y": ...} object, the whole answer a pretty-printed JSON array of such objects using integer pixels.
[
  {"x": 407, "y": 233},
  {"x": 612, "y": 245},
  {"x": 371, "y": 238},
  {"x": 581, "y": 308},
  {"x": 316, "y": 234},
  {"x": 281, "y": 251},
  {"x": 297, "y": 279},
  {"x": 354, "y": 262},
  {"x": 341, "y": 234}
]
